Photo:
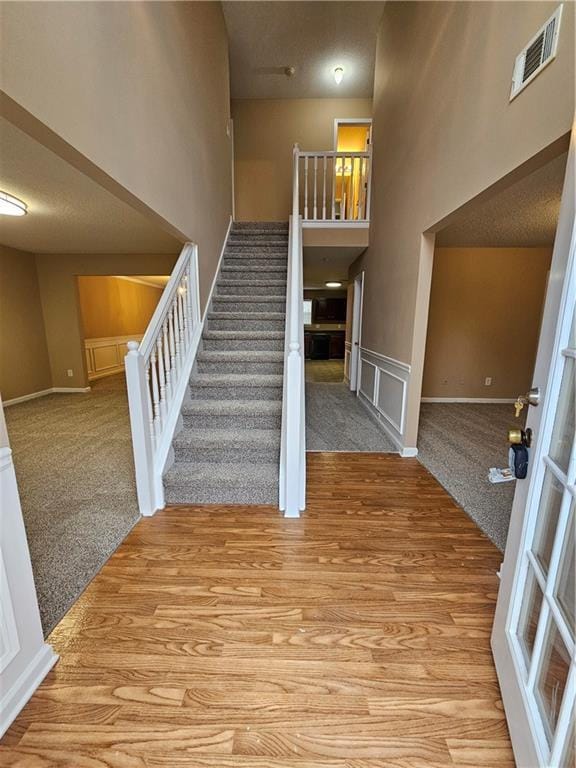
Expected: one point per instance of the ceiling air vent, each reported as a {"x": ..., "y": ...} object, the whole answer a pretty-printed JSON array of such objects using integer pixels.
[{"x": 539, "y": 52}]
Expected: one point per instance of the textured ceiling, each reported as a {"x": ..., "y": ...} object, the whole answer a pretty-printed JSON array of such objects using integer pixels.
[
  {"x": 313, "y": 37},
  {"x": 67, "y": 211},
  {"x": 323, "y": 263},
  {"x": 523, "y": 215}
]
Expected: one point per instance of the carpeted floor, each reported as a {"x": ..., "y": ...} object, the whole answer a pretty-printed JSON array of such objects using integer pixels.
[
  {"x": 73, "y": 460},
  {"x": 325, "y": 370},
  {"x": 337, "y": 421},
  {"x": 458, "y": 443}
]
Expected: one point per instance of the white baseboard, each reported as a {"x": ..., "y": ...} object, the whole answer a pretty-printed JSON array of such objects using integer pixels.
[
  {"x": 13, "y": 700},
  {"x": 409, "y": 453},
  {"x": 493, "y": 400},
  {"x": 44, "y": 392},
  {"x": 381, "y": 422}
]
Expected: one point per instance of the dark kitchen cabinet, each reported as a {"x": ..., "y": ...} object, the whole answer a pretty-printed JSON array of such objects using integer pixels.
[
  {"x": 324, "y": 345},
  {"x": 329, "y": 310}
]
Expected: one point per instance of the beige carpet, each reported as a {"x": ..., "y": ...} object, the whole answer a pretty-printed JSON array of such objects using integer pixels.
[{"x": 73, "y": 459}]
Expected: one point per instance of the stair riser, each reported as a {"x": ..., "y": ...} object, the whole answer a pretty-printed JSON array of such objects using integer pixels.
[
  {"x": 274, "y": 287},
  {"x": 248, "y": 306},
  {"x": 221, "y": 494},
  {"x": 245, "y": 325},
  {"x": 280, "y": 254},
  {"x": 239, "y": 452},
  {"x": 241, "y": 367},
  {"x": 241, "y": 262},
  {"x": 258, "y": 345},
  {"x": 234, "y": 392},
  {"x": 262, "y": 239},
  {"x": 245, "y": 272},
  {"x": 232, "y": 421}
]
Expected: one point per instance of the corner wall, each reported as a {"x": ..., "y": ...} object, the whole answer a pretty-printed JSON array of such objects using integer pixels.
[
  {"x": 484, "y": 321},
  {"x": 137, "y": 94},
  {"x": 24, "y": 363},
  {"x": 444, "y": 132},
  {"x": 265, "y": 131}
]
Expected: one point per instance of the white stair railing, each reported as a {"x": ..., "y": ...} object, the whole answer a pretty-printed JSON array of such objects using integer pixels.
[
  {"x": 336, "y": 186},
  {"x": 157, "y": 373},
  {"x": 293, "y": 441}
]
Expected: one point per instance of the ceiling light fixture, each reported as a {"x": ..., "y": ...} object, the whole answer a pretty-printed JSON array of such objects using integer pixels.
[
  {"x": 11, "y": 206},
  {"x": 338, "y": 75},
  {"x": 333, "y": 284}
]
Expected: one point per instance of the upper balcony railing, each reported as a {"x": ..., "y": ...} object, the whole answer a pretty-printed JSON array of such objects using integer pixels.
[{"x": 334, "y": 187}]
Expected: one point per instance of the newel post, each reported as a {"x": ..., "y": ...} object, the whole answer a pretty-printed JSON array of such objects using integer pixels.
[
  {"x": 293, "y": 426},
  {"x": 139, "y": 406}
]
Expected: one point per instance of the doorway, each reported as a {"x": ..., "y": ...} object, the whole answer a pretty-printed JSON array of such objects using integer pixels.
[
  {"x": 352, "y": 183},
  {"x": 489, "y": 280},
  {"x": 351, "y": 363}
]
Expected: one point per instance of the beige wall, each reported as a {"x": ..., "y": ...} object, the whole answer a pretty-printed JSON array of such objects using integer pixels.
[
  {"x": 57, "y": 276},
  {"x": 140, "y": 91},
  {"x": 24, "y": 365},
  {"x": 485, "y": 311},
  {"x": 445, "y": 131},
  {"x": 265, "y": 131},
  {"x": 112, "y": 306}
]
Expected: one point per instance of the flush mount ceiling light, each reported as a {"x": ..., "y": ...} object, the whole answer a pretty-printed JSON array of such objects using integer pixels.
[
  {"x": 338, "y": 75},
  {"x": 333, "y": 284},
  {"x": 11, "y": 206}
]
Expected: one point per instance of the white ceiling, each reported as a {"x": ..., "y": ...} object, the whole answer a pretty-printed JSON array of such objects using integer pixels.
[
  {"x": 523, "y": 215},
  {"x": 313, "y": 37},
  {"x": 67, "y": 211},
  {"x": 324, "y": 263}
]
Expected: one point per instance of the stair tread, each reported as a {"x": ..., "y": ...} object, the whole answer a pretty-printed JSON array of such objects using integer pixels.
[
  {"x": 235, "y": 407},
  {"x": 243, "y": 334},
  {"x": 227, "y": 435},
  {"x": 242, "y": 474},
  {"x": 237, "y": 355},
  {"x": 249, "y": 282},
  {"x": 246, "y": 315},
  {"x": 230, "y": 297},
  {"x": 243, "y": 379}
]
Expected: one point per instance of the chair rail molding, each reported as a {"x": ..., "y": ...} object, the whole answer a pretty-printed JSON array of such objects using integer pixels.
[
  {"x": 158, "y": 370},
  {"x": 105, "y": 355},
  {"x": 383, "y": 390},
  {"x": 25, "y": 658}
]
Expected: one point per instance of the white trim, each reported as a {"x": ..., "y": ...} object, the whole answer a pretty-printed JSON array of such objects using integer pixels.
[
  {"x": 386, "y": 359},
  {"x": 139, "y": 280},
  {"x": 14, "y": 700},
  {"x": 409, "y": 453},
  {"x": 217, "y": 273},
  {"x": 378, "y": 416},
  {"x": 492, "y": 400},
  {"x": 44, "y": 392},
  {"x": 10, "y": 642},
  {"x": 336, "y": 223},
  {"x": 24, "y": 398}
]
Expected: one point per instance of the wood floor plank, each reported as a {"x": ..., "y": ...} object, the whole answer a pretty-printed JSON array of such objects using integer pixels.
[{"x": 355, "y": 637}]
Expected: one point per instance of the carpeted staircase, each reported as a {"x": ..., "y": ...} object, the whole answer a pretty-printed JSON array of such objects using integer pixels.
[{"x": 229, "y": 447}]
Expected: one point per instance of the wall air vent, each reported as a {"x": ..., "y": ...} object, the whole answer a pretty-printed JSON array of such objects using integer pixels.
[{"x": 539, "y": 52}]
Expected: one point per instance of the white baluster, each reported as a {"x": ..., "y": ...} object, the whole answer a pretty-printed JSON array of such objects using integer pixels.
[
  {"x": 174, "y": 345},
  {"x": 161, "y": 376},
  {"x": 315, "y": 187},
  {"x": 324, "y": 190},
  {"x": 306, "y": 187},
  {"x": 342, "y": 191},
  {"x": 334, "y": 166},
  {"x": 352, "y": 190},
  {"x": 167, "y": 359},
  {"x": 156, "y": 415},
  {"x": 150, "y": 409}
]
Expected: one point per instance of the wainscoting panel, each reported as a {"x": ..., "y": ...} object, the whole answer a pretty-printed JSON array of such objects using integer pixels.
[
  {"x": 347, "y": 352},
  {"x": 105, "y": 356},
  {"x": 383, "y": 386}
]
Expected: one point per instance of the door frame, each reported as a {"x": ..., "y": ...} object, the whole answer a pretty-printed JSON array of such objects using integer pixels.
[
  {"x": 350, "y": 121},
  {"x": 356, "y": 333},
  {"x": 525, "y": 730}
]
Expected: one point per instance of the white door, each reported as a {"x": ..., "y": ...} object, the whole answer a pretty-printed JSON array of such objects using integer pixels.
[
  {"x": 534, "y": 629},
  {"x": 356, "y": 331}
]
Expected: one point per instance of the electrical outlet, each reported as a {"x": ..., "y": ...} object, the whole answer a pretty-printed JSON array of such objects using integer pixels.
[
  {"x": 69, "y": 373},
  {"x": 488, "y": 381}
]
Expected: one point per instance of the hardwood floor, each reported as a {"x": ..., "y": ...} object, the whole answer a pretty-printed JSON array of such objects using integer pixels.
[{"x": 355, "y": 637}]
